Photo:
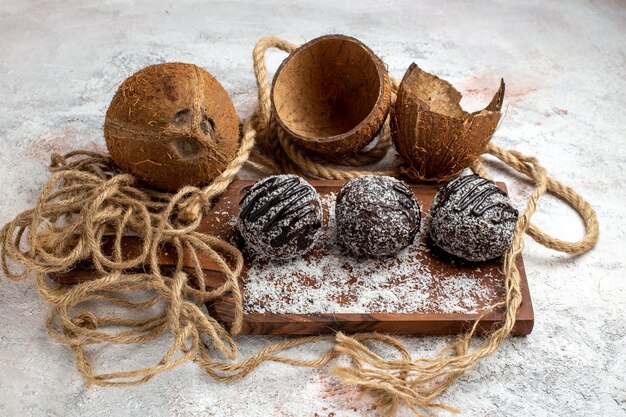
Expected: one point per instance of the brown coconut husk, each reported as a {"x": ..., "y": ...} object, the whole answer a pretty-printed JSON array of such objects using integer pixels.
[
  {"x": 172, "y": 125},
  {"x": 435, "y": 136},
  {"x": 331, "y": 96}
]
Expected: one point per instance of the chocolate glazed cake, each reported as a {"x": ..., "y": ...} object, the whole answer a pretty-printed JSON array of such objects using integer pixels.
[
  {"x": 280, "y": 216},
  {"x": 472, "y": 218},
  {"x": 377, "y": 216}
]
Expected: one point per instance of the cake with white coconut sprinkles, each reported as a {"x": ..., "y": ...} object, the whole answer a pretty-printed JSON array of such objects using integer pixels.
[
  {"x": 376, "y": 216},
  {"x": 280, "y": 216},
  {"x": 472, "y": 219}
]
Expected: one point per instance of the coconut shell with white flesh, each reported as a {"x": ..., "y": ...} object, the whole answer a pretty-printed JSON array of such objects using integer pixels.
[{"x": 437, "y": 138}]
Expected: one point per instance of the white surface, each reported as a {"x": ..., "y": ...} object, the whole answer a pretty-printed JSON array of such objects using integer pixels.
[{"x": 565, "y": 68}]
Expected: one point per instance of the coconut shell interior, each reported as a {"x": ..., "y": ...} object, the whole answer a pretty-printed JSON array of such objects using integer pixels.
[
  {"x": 439, "y": 95},
  {"x": 434, "y": 135},
  {"x": 172, "y": 125},
  {"x": 331, "y": 90}
]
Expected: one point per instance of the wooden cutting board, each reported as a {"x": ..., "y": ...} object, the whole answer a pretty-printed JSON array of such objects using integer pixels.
[{"x": 421, "y": 292}]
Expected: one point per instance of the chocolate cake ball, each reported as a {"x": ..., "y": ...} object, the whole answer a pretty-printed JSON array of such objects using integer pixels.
[
  {"x": 280, "y": 216},
  {"x": 376, "y": 216},
  {"x": 472, "y": 218}
]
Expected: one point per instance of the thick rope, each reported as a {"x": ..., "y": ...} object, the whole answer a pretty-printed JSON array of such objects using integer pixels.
[
  {"x": 567, "y": 194},
  {"x": 88, "y": 200}
]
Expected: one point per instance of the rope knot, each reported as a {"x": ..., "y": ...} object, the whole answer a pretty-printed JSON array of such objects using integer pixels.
[
  {"x": 57, "y": 160},
  {"x": 190, "y": 209},
  {"x": 86, "y": 320}
]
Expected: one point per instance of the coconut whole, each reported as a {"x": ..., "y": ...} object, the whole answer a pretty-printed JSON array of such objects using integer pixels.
[{"x": 172, "y": 125}]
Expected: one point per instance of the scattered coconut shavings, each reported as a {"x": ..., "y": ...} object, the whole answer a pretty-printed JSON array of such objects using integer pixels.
[
  {"x": 329, "y": 280},
  {"x": 376, "y": 216}
]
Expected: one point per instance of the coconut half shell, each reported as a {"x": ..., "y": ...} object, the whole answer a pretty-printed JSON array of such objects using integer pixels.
[
  {"x": 331, "y": 96},
  {"x": 431, "y": 131},
  {"x": 172, "y": 125}
]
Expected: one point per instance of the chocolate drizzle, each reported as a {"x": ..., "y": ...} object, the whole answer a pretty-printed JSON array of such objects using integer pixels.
[
  {"x": 406, "y": 200},
  {"x": 284, "y": 212},
  {"x": 280, "y": 216},
  {"x": 402, "y": 189},
  {"x": 476, "y": 197},
  {"x": 472, "y": 219},
  {"x": 292, "y": 194}
]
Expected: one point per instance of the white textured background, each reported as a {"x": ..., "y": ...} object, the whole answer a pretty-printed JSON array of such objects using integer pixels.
[{"x": 565, "y": 68}]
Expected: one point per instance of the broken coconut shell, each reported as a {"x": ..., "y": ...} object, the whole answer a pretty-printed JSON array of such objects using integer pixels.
[
  {"x": 331, "y": 96},
  {"x": 430, "y": 130},
  {"x": 172, "y": 125}
]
